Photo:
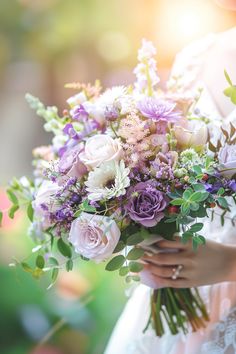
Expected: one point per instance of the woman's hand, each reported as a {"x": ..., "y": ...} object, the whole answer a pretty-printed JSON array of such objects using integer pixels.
[{"x": 211, "y": 263}]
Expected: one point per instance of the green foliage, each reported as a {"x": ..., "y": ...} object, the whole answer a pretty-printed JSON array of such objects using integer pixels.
[
  {"x": 30, "y": 212},
  {"x": 123, "y": 271},
  {"x": 135, "y": 267},
  {"x": 64, "y": 248},
  {"x": 135, "y": 254},
  {"x": 231, "y": 90},
  {"x": 115, "y": 263},
  {"x": 40, "y": 262},
  {"x": 86, "y": 207},
  {"x": 12, "y": 211},
  {"x": 69, "y": 265}
]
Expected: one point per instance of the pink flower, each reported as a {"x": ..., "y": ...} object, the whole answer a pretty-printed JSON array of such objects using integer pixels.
[
  {"x": 70, "y": 163},
  {"x": 101, "y": 148},
  {"x": 94, "y": 236}
]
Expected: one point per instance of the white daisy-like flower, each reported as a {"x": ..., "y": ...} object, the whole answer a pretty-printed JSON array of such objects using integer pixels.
[{"x": 107, "y": 181}]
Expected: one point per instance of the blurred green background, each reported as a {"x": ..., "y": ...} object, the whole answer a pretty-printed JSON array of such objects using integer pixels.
[{"x": 43, "y": 45}]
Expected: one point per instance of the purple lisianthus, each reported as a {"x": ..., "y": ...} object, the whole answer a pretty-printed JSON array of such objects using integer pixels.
[
  {"x": 79, "y": 113},
  {"x": 146, "y": 204}
]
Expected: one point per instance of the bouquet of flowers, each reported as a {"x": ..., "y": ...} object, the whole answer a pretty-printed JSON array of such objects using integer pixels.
[{"x": 124, "y": 165}]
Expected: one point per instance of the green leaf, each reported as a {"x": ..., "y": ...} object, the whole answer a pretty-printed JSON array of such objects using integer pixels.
[
  {"x": 1, "y": 217},
  {"x": 197, "y": 169},
  {"x": 12, "y": 197},
  {"x": 53, "y": 261},
  {"x": 177, "y": 201},
  {"x": 40, "y": 262},
  {"x": 200, "y": 213},
  {"x": 135, "y": 267},
  {"x": 202, "y": 240},
  {"x": 185, "y": 208},
  {"x": 186, "y": 236},
  {"x": 204, "y": 196},
  {"x": 197, "y": 241},
  {"x": 64, "y": 248},
  {"x": 135, "y": 277},
  {"x": 223, "y": 202},
  {"x": 135, "y": 254},
  {"x": 196, "y": 227},
  {"x": 187, "y": 194},
  {"x": 233, "y": 95},
  {"x": 220, "y": 191},
  {"x": 30, "y": 212},
  {"x": 85, "y": 206},
  {"x": 69, "y": 265},
  {"x": 228, "y": 78},
  {"x": 26, "y": 267},
  {"x": 119, "y": 247},
  {"x": 195, "y": 197},
  {"x": 194, "y": 206},
  {"x": 12, "y": 211},
  {"x": 134, "y": 239},
  {"x": 115, "y": 263},
  {"x": 123, "y": 271},
  {"x": 77, "y": 213},
  {"x": 55, "y": 273}
]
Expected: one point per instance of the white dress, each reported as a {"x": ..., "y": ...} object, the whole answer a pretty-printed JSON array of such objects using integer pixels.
[{"x": 220, "y": 335}]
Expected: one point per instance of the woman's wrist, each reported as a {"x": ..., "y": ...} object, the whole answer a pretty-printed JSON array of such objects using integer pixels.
[{"x": 230, "y": 262}]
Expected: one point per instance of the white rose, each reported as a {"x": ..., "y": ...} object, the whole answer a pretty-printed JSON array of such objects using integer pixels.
[
  {"x": 227, "y": 160},
  {"x": 101, "y": 148},
  {"x": 94, "y": 236}
]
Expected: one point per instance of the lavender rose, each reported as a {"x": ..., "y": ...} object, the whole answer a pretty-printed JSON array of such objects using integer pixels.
[
  {"x": 94, "y": 236},
  {"x": 227, "y": 160},
  {"x": 45, "y": 203},
  {"x": 70, "y": 163},
  {"x": 146, "y": 204}
]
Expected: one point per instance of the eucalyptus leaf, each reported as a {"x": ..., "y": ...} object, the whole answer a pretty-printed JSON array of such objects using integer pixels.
[
  {"x": 115, "y": 263},
  {"x": 69, "y": 265},
  {"x": 30, "y": 212},
  {"x": 123, "y": 271},
  {"x": 134, "y": 239},
  {"x": 135, "y": 254},
  {"x": 13, "y": 198},
  {"x": 40, "y": 262},
  {"x": 64, "y": 248},
  {"x": 13, "y": 209},
  {"x": 135, "y": 267}
]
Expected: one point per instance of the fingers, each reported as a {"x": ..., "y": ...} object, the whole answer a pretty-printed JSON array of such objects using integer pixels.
[
  {"x": 163, "y": 272},
  {"x": 171, "y": 283},
  {"x": 167, "y": 259},
  {"x": 176, "y": 243}
]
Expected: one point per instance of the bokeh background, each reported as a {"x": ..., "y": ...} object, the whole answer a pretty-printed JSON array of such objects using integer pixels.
[{"x": 43, "y": 45}]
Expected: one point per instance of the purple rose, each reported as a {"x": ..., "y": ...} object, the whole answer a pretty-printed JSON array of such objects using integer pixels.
[{"x": 146, "y": 204}]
